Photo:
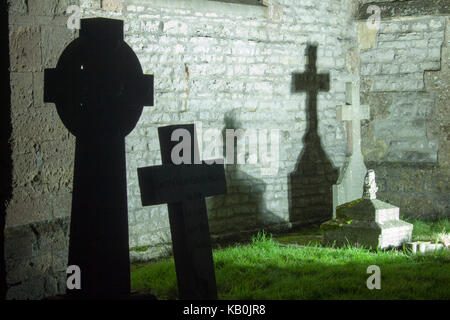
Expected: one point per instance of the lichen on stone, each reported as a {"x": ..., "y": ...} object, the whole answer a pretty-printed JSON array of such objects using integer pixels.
[
  {"x": 341, "y": 211},
  {"x": 334, "y": 224}
]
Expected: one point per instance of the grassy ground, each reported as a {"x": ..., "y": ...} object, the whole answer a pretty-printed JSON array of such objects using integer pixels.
[{"x": 266, "y": 270}]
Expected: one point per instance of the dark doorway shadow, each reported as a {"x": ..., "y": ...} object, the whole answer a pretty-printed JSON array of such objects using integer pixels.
[
  {"x": 5, "y": 147},
  {"x": 310, "y": 184},
  {"x": 245, "y": 199}
]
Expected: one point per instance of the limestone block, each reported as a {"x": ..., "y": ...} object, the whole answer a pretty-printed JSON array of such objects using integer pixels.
[
  {"x": 21, "y": 91},
  {"x": 42, "y": 7},
  {"x": 54, "y": 40},
  {"x": 25, "y": 50},
  {"x": 24, "y": 208},
  {"x": 112, "y": 5},
  {"x": 17, "y": 7}
]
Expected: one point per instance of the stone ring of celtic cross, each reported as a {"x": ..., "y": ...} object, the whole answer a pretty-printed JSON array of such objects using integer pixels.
[{"x": 98, "y": 87}]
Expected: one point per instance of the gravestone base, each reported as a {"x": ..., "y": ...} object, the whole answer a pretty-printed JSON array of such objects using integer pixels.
[
  {"x": 391, "y": 234},
  {"x": 368, "y": 223}
]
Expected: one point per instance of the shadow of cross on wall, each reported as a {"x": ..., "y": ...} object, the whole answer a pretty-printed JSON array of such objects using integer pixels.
[
  {"x": 184, "y": 187},
  {"x": 99, "y": 90},
  {"x": 310, "y": 184}
]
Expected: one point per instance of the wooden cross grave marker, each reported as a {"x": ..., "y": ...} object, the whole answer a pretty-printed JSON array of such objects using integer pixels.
[{"x": 183, "y": 187}]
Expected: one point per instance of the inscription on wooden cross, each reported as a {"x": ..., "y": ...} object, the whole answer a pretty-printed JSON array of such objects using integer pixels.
[
  {"x": 99, "y": 90},
  {"x": 183, "y": 187}
]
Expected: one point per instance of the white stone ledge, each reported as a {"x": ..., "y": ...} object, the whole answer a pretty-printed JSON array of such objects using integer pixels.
[{"x": 205, "y": 6}]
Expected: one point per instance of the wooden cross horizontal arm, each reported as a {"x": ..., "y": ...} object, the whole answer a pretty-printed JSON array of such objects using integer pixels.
[{"x": 169, "y": 183}]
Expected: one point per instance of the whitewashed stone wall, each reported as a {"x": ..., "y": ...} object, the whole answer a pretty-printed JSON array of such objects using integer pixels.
[
  {"x": 404, "y": 71},
  {"x": 404, "y": 50},
  {"x": 215, "y": 61},
  {"x": 227, "y": 65}
]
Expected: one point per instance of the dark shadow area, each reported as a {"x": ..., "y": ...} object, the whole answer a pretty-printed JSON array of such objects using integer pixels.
[
  {"x": 5, "y": 147},
  {"x": 249, "y": 211},
  {"x": 310, "y": 184},
  {"x": 99, "y": 91}
]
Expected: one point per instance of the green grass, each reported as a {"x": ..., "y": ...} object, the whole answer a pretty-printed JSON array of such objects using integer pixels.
[
  {"x": 265, "y": 270},
  {"x": 430, "y": 231}
]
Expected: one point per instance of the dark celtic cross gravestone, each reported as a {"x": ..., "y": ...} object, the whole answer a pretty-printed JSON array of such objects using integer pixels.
[
  {"x": 310, "y": 183},
  {"x": 183, "y": 187},
  {"x": 99, "y": 90}
]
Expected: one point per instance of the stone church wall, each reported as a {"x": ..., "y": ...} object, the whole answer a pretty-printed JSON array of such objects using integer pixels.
[
  {"x": 405, "y": 76},
  {"x": 227, "y": 66},
  {"x": 42, "y": 150},
  {"x": 219, "y": 64}
]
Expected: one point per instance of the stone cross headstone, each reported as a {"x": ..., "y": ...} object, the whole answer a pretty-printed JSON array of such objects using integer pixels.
[
  {"x": 183, "y": 187},
  {"x": 99, "y": 90},
  {"x": 351, "y": 177},
  {"x": 367, "y": 222}
]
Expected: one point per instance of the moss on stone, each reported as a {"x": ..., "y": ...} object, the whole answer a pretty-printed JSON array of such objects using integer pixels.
[
  {"x": 342, "y": 218},
  {"x": 341, "y": 211},
  {"x": 139, "y": 249},
  {"x": 334, "y": 224}
]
